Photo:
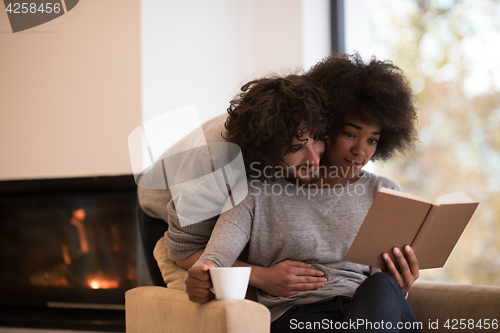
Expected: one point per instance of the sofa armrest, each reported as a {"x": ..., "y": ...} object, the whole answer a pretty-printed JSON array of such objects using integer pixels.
[
  {"x": 447, "y": 301},
  {"x": 159, "y": 309}
]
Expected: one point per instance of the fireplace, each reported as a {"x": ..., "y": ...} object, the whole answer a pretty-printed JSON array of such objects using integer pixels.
[{"x": 70, "y": 250}]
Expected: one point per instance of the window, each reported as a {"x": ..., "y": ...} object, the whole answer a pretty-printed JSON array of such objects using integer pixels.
[{"x": 449, "y": 52}]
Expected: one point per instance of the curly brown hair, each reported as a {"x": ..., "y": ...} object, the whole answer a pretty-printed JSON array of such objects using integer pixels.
[
  {"x": 376, "y": 93},
  {"x": 264, "y": 119}
]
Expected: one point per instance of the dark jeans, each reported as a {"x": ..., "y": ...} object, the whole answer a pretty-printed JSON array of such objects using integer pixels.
[
  {"x": 151, "y": 231},
  {"x": 377, "y": 306}
]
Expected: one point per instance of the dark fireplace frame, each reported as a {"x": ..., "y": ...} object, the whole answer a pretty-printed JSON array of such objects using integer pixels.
[{"x": 101, "y": 310}]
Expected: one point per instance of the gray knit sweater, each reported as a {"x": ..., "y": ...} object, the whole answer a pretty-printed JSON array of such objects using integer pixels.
[
  {"x": 282, "y": 221},
  {"x": 183, "y": 242}
]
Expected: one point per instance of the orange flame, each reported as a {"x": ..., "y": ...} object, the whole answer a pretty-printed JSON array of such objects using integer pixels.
[
  {"x": 78, "y": 221},
  {"x": 98, "y": 283}
]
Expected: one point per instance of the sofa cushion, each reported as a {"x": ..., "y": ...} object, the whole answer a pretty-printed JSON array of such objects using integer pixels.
[
  {"x": 440, "y": 304},
  {"x": 159, "y": 310}
]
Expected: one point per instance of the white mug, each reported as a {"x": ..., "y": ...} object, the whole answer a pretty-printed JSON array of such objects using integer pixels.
[{"x": 230, "y": 282}]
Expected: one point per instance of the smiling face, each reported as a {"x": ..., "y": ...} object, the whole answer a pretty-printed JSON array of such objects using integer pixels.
[
  {"x": 353, "y": 148},
  {"x": 302, "y": 162}
]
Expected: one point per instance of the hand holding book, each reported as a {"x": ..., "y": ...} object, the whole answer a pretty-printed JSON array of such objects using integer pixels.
[{"x": 408, "y": 267}]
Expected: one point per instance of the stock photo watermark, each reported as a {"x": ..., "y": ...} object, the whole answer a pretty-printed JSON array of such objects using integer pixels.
[
  {"x": 205, "y": 179},
  {"x": 25, "y": 15},
  {"x": 170, "y": 152},
  {"x": 262, "y": 181}
]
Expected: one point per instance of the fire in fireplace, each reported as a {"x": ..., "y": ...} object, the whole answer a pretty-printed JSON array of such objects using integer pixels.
[{"x": 67, "y": 243}]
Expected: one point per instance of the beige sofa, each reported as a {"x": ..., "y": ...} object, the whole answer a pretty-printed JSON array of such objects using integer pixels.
[{"x": 159, "y": 309}]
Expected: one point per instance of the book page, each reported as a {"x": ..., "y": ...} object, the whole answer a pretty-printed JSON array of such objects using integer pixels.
[
  {"x": 453, "y": 198},
  {"x": 403, "y": 195}
]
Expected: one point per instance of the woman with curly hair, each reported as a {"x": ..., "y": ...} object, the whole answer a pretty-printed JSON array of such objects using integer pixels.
[
  {"x": 376, "y": 93},
  {"x": 374, "y": 106}
]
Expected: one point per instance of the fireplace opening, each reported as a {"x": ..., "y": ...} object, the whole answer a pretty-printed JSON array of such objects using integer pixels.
[{"x": 70, "y": 249}]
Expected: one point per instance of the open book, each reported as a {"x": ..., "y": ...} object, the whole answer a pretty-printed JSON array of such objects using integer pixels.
[{"x": 399, "y": 219}]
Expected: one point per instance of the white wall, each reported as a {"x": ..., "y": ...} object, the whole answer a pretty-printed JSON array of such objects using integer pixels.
[
  {"x": 194, "y": 52},
  {"x": 201, "y": 52},
  {"x": 70, "y": 92},
  {"x": 358, "y": 34},
  {"x": 70, "y": 89},
  {"x": 316, "y": 32},
  {"x": 357, "y": 28}
]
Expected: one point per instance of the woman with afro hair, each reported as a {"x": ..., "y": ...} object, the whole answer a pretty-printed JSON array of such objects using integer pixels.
[
  {"x": 376, "y": 93},
  {"x": 372, "y": 105}
]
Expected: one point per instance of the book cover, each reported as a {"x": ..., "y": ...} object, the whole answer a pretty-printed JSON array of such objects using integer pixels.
[{"x": 397, "y": 219}]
